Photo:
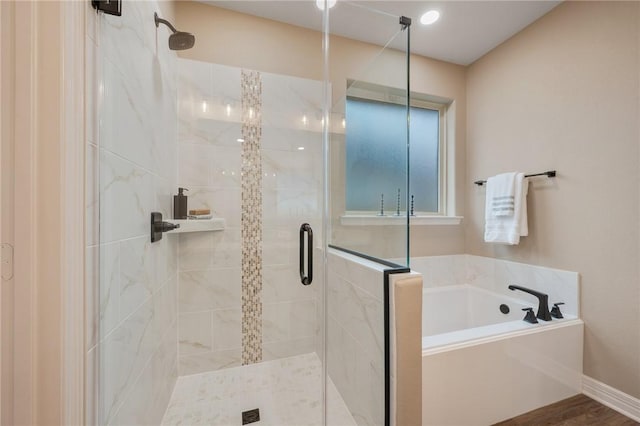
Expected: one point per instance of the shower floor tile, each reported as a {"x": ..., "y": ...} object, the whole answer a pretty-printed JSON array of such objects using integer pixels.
[{"x": 287, "y": 392}]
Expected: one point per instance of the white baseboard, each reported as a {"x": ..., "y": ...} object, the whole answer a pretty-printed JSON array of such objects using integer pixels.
[{"x": 611, "y": 397}]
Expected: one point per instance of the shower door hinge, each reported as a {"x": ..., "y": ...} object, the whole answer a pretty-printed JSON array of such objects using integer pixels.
[
  {"x": 6, "y": 260},
  {"x": 112, "y": 7}
]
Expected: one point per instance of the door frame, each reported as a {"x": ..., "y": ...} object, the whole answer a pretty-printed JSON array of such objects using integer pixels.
[
  {"x": 3, "y": 341},
  {"x": 73, "y": 16},
  {"x": 48, "y": 120}
]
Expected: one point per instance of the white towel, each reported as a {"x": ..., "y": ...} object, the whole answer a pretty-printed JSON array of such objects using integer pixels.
[
  {"x": 508, "y": 229},
  {"x": 501, "y": 194}
]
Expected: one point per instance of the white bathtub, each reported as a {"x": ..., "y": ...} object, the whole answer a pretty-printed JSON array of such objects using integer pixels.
[
  {"x": 481, "y": 366},
  {"x": 459, "y": 313}
]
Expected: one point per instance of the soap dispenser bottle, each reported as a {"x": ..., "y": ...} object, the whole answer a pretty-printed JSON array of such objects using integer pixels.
[{"x": 180, "y": 204}]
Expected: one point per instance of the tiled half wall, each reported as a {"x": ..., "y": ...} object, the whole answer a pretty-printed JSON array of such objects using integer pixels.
[
  {"x": 356, "y": 338},
  {"x": 355, "y": 334},
  {"x": 240, "y": 299}
]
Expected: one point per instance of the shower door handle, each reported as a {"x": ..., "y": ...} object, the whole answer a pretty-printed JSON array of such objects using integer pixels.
[{"x": 306, "y": 279}]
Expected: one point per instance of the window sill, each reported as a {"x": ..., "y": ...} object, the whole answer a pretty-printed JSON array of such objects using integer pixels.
[{"x": 369, "y": 220}]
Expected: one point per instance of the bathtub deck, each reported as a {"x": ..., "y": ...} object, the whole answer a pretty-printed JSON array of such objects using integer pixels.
[{"x": 579, "y": 410}]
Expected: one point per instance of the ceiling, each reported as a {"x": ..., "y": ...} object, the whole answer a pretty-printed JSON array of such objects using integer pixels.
[{"x": 465, "y": 32}]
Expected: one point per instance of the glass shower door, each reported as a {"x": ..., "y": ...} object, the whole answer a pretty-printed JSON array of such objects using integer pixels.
[
  {"x": 220, "y": 320},
  {"x": 249, "y": 144}
]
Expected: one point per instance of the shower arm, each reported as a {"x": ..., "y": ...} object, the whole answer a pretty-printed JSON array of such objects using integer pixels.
[{"x": 159, "y": 21}]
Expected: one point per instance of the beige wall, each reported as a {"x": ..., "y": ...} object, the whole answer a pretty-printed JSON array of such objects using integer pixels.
[
  {"x": 231, "y": 38},
  {"x": 563, "y": 94}
]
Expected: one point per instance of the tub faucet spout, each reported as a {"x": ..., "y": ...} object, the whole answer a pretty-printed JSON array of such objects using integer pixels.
[{"x": 543, "y": 301}]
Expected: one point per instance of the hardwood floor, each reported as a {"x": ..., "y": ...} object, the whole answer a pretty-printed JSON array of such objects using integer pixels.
[{"x": 579, "y": 410}]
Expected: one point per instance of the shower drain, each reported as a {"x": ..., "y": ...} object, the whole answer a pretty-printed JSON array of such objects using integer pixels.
[{"x": 251, "y": 416}]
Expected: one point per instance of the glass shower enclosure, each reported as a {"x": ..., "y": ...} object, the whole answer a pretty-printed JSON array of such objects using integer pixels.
[
  {"x": 370, "y": 197},
  {"x": 222, "y": 317},
  {"x": 368, "y": 208}
]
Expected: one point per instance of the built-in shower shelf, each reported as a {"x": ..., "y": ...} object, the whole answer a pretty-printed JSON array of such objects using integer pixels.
[{"x": 197, "y": 225}]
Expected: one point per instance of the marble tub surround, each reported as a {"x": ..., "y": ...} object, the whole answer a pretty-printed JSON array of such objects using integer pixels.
[
  {"x": 131, "y": 171},
  {"x": 496, "y": 275},
  {"x": 210, "y": 161}
]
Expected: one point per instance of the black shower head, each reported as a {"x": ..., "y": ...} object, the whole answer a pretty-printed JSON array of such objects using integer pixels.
[{"x": 179, "y": 40}]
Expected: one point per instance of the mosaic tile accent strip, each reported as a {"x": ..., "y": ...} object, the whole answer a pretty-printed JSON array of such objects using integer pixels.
[{"x": 251, "y": 221}]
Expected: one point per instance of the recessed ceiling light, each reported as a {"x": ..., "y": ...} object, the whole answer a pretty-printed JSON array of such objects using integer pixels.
[
  {"x": 430, "y": 17},
  {"x": 330, "y": 3}
]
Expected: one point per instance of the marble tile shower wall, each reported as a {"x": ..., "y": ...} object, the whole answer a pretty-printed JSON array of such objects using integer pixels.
[
  {"x": 209, "y": 165},
  {"x": 355, "y": 337},
  {"x": 131, "y": 171}
]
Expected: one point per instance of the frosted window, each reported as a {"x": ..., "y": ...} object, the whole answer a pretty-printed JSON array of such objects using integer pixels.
[{"x": 376, "y": 154}]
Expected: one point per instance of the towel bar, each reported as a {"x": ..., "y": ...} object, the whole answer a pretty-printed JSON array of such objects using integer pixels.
[{"x": 550, "y": 173}]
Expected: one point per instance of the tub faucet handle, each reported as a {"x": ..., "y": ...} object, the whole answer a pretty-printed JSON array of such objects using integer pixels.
[
  {"x": 555, "y": 311},
  {"x": 530, "y": 316}
]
